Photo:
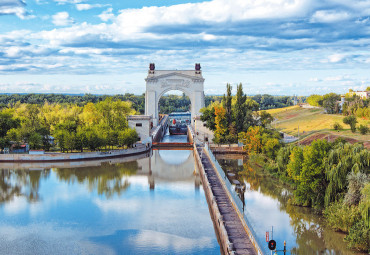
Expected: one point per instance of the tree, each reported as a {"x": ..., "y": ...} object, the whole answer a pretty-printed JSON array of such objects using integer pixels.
[
  {"x": 312, "y": 181},
  {"x": 315, "y": 100},
  {"x": 240, "y": 108},
  {"x": 343, "y": 159},
  {"x": 265, "y": 118},
  {"x": 363, "y": 129},
  {"x": 330, "y": 103},
  {"x": 7, "y": 122},
  {"x": 228, "y": 104},
  {"x": 221, "y": 125},
  {"x": 35, "y": 141},
  {"x": 350, "y": 120},
  {"x": 294, "y": 166}
]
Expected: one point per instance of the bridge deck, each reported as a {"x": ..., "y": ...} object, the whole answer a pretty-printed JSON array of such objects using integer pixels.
[
  {"x": 172, "y": 145},
  {"x": 234, "y": 227}
]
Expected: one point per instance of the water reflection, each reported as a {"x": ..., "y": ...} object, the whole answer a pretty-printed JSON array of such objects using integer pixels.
[
  {"x": 267, "y": 204},
  {"x": 151, "y": 205}
]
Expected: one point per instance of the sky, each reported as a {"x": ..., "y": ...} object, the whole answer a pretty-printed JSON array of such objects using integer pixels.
[{"x": 278, "y": 47}]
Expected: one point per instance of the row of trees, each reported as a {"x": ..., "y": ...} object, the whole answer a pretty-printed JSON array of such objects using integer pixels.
[
  {"x": 331, "y": 177},
  {"x": 353, "y": 105},
  {"x": 74, "y": 127},
  {"x": 233, "y": 115}
]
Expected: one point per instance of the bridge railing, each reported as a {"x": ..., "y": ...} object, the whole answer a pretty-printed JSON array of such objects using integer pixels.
[{"x": 261, "y": 247}]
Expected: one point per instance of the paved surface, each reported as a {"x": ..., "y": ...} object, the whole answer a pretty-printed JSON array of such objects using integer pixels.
[{"x": 234, "y": 227}]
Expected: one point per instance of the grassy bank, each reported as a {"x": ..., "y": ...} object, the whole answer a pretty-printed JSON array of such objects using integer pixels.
[{"x": 313, "y": 120}]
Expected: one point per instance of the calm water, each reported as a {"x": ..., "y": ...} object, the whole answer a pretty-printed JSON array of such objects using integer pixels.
[
  {"x": 266, "y": 205},
  {"x": 151, "y": 205}
]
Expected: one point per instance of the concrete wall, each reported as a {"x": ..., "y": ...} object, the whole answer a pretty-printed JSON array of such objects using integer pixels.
[
  {"x": 48, "y": 157},
  {"x": 203, "y": 132}
]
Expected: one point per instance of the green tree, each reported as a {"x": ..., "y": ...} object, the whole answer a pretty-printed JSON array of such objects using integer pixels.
[
  {"x": 35, "y": 141},
  {"x": 330, "y": 103},
  {"x": 315, "y": 100},
  {"x": 7, "y": 121},
  {"x": 228, "y": 105},
  {"x": 351, "y": 120},
  {"x": 342, "y": 160},
  {"x": 363, "y": 129},
  {"x": 240, "y": 108},
  {"x": 265, "y": 118}
]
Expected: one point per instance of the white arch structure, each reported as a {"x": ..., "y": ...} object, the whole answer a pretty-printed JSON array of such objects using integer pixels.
[{"x": 158, "y": 82}]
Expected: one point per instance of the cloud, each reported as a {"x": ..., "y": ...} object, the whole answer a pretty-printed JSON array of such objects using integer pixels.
[
  {"x": 13, "y": 7},
  {"x": 329, "y": 16},
  {"x": 69, "y": 1},
  {"x": 62, "y": 19},
  {"x": 85, "y": 7},
  {"x": 106, "y": 15}
]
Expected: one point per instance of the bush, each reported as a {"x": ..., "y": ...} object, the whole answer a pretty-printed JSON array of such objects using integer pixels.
[
  {"x": 337, "y": 126},
  {"x": 363, "y": 129},
  {"x": 342, "y": 217},
  {"x": 350, "y": 120},
  {"x": 359, "y": 236}
]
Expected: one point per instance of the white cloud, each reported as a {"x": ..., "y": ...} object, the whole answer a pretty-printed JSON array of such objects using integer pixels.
[
  {"x": 13, "y": 7},
  {"x": 106, "y": 15},
  {"x": 329, "y": 16},
  {"x": 85, "y": 7},
  {"x": 335, "y": 58},
  {"x": 69, "y": 1},
  {"x": 62, "y": 19}
]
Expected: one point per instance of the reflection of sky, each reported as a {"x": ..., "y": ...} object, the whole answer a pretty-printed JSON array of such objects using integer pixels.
[
  {"x": 264, "y": 212},
  {"x": 174, "y": 157},
  {"x": 69, "y": 218}
]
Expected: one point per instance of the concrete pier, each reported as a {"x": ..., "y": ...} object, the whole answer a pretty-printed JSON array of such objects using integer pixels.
[{"x": 234, "y": 237}]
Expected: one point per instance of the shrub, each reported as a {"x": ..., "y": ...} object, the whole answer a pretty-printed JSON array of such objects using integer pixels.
[
  {"x": 363, "y": 129},
  {"x": 359, "y": 236},
  {"x": 351, "y": 120},
  {"x": 341, "y": 217},
  {"x": 337, "y": 126}
]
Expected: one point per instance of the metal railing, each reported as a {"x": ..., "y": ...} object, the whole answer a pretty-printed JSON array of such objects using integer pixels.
[{"x": 261, "y": 247}]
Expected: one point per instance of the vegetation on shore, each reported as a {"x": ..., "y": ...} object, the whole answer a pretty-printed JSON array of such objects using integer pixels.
[
  {"x": 74, "y": 127},
  {"x": 333, "y": 178}
]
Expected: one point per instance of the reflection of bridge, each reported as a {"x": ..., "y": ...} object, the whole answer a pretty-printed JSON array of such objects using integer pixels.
[{"x": 169, "y": 166}]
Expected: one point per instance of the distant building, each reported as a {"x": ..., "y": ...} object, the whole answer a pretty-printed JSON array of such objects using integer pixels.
[{"x": 362, "y": 94}]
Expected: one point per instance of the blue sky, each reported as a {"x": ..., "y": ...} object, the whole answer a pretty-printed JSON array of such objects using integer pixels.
[{"x": 280, "y": 47}]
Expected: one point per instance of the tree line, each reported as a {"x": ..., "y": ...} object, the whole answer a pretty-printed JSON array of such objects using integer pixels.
[
  {"x": 333, "y": 178},
  {"x": 92, "y": 126},
  {"x": 167, "y": 103}
]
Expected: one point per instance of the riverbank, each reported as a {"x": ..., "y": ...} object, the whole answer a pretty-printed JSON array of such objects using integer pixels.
[{"x": 54, "y": 157}]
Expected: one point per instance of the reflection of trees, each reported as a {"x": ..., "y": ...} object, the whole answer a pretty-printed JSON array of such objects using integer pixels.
[
  {"x": 21, "y": 183},
  {"x": 106, "y": 179},
  {"x": 312, "y": 237}
]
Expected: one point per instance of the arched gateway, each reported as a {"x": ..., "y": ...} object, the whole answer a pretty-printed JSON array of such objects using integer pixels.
[{"x": 158, "y": 82}]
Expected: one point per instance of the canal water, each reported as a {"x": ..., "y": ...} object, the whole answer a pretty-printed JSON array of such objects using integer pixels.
[
  {"x": 151, "y": 205},
  {"x": 266, "y": 205}
]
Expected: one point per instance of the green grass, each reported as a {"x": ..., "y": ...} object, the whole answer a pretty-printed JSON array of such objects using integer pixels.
[{"x": 311, "y": 121}]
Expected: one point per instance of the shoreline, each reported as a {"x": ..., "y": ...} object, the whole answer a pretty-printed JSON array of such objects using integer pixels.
[{"x": 62, "y": 157}]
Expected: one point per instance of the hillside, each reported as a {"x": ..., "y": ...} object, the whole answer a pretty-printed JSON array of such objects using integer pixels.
[{"x": 314, "y": 121}]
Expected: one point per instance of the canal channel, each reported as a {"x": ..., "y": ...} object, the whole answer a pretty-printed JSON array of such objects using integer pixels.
[{"x": 152, "y": 204}]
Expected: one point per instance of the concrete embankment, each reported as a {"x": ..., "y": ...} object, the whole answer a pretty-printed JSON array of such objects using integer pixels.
[
  {"x": 233, "y": 234},
  {"x": 51, "y": 157}
]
